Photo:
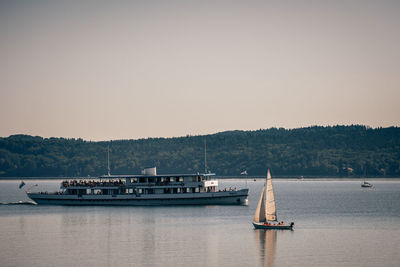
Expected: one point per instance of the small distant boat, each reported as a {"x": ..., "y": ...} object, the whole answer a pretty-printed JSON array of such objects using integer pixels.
[
  {"x": 265, "y": 215},
  {"x": 366, "y": 184}
]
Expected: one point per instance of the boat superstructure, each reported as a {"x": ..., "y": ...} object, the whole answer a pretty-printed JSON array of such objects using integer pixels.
[{"x": 145, "y": 189}]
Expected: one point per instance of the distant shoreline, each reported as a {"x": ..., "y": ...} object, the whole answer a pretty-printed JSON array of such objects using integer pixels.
[
  {"x": 335, "y": 151},
  {"x": 219, "y": 177},
  {"x": 307, "y": 177}
]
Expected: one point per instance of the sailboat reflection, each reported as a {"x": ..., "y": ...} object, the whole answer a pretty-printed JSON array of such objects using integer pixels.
[{"x": 267, "y": 246}]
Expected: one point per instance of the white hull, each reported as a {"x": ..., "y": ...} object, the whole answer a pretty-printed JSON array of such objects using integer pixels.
[
  {"x": 366, "y": 184},
  {"x": 213, "y": 198}
]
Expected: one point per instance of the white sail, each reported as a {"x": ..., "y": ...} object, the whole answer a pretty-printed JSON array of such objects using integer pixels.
[
  {"x": 259, "y": 215},
  {"x": 270, "y": 209}
]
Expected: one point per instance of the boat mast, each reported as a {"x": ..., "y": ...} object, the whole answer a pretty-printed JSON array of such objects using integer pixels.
[
  {"x": 365, "y": 171},
  {"x": 205, "y": 156},
  {"x": 108, "y": 160},
  {"x": 270, "y": 208}
]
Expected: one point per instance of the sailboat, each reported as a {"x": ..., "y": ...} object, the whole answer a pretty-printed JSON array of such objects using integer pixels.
[
  {"x": 265, "y": 215},
  {"x": 365, "y": 183}
]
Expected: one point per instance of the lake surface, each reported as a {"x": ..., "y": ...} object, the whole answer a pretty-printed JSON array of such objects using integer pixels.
[{"x": 337, "y": 223}]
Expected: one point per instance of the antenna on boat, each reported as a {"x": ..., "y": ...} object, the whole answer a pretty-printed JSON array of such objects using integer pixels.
[
  {"x": 108, "y": 160},
  {"x": 244, "y": 173},
  {"x": 205, "y": 156}
]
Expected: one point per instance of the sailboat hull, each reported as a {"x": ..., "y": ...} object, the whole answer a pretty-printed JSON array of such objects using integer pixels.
[
  {"x": 366, "y": 184},
  {"x": 273, "y": 227}
]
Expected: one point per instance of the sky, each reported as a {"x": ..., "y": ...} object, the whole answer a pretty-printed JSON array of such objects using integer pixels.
[{"x": 106, "y": 70}]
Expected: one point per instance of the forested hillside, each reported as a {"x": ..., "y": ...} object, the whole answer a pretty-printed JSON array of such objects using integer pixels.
[{"x": 340, "y": 151}]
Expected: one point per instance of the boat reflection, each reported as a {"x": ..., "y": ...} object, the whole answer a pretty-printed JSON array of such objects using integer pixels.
[{"x": 267, "y": 246}]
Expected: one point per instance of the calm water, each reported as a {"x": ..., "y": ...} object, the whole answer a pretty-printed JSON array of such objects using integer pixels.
[{"x": 337, "y": 223}]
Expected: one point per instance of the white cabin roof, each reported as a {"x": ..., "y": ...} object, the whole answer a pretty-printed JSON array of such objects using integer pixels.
[{"x": 156, "y": 176}]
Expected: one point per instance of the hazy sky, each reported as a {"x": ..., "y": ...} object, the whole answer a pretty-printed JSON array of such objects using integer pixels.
[{"x": 132, "y": 69}]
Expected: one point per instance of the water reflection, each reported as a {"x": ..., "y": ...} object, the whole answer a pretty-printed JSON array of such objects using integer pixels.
[
  {"x": 149, "y": 239},
  {"x": 266, "y": 240}
]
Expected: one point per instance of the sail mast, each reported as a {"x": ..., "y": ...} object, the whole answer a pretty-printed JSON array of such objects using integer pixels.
[
  {"x": 270, "y": 209},
  {"x": 205, "y": 156},
  {"x": 108, "y": 160}
]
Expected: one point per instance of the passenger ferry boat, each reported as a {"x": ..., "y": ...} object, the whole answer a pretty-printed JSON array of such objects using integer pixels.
[{"x": 143, "y": 190}]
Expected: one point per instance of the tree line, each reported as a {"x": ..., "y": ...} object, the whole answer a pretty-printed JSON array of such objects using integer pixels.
[{"x": 335, "y": 151}]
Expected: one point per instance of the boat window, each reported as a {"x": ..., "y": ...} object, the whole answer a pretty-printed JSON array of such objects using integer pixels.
[
  {"x": 82, "y": 191},
  {"x": 180, "y": 179},
  {"x": 134, "y": 180},
  {"x": 142, "y": 180},
  {"x": 171, "y": 179}
]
